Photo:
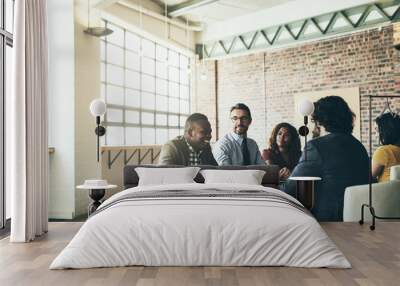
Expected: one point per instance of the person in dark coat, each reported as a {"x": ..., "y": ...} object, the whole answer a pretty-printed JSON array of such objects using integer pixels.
[
  {"x": 191, "y": 149},
  {"x": 337, "y": 157}
]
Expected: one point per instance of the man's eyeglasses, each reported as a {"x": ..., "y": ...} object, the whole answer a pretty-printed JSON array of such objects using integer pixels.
[{"x": 243, "y": 118}]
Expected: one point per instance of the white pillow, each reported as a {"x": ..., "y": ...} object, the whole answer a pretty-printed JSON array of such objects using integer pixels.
[
  {"x": 248, "y": 177},
  {"x": 166, "y": 176}
]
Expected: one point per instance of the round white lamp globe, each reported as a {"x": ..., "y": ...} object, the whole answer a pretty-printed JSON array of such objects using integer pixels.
[
  {"x": 97, "y": 107},
  {"x": 306, "y": 107}
]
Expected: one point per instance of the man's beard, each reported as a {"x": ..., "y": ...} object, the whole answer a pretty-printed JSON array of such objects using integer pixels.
[
  {"x": 316, "y": 132},
  {"x": 240, "y": 132},
  {"x": 201, "y": 144}
]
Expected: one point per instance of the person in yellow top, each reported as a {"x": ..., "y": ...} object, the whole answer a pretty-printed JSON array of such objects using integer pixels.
[{"x": 388, "y": 154}]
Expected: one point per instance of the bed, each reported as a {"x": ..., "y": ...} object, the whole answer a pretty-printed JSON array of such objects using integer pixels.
[{"x": 197, "y": 224}]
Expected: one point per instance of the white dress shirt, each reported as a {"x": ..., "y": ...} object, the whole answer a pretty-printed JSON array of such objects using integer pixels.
[{"x": 228, "y": 150}]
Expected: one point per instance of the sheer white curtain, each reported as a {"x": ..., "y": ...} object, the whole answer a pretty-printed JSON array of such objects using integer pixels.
[{"x": 28, "y": 157}]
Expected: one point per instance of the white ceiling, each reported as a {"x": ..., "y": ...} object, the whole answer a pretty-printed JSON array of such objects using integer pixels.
[
  {"x": 284, "y": 12},
  {"x": 222, "y": 10}
]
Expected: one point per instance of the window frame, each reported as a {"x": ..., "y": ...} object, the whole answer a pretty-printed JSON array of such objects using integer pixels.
[
  {"x": 6, "y": 39},
  {"x": 141, "y": 109}
]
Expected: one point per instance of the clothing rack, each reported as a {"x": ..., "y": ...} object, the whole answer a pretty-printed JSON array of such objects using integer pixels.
[{"x": 369, "y": 205}]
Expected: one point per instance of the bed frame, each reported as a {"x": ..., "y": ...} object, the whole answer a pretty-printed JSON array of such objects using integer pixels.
[{"x": 270, "y": 179}]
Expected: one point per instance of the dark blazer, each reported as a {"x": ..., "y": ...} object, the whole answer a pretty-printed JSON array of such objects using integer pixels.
[
  {"x": 341, "y": 161},
  {"x": 176, "y": 152}
]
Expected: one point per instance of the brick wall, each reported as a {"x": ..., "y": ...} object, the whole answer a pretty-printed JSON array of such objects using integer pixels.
[
  {"x": 204, "y": 100},
  {"x": 268, "y": 82},
  {"x": 241, "y": 79}
]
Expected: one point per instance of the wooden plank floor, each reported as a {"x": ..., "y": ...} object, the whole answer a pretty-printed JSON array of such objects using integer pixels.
[{"x": 375, "y": 257}]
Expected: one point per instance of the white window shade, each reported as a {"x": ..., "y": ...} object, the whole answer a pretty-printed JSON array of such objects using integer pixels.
[
  {"x": 148, "y": 100},
  {"x": 161, "y": 120},
  {"x": 161, "y": 70},
  {"x": 132, "y": 98},
  {"x": 173, "y": 89},
  {"x": 132, "y": 79},
  {"x": 147, "y": 118},
  {"x": 114, "y": 115},
  {"x": 184, "y": 92},
  {"x": 173, "y": 105},
  {"x": 148, "y": 83},
  {"x": 173, "y": 120},
  {"x": 173, "y": 74},
  {"x": 132, "y": 117},
  {"x": 132, "y": 42},
  {"x": 148, "y": 48},
  {"x": 115, "y": 75},
  {"x": 115, "y": 136},
  {"x": 115, "y": 95},
  {"x": 117, "y": 37},
  {"x": 162, "y": 103},
  {"x": 133, "y": 135},
  {"x": 148, "y": 66},
  {"x": 148, "y": 136},
  {"x": 172, "y": 133},
  {"x": 161, "y": 135},
  {"x": 161, "y": 53},
  {"x": 132, "y": 61},
  {"x": 161, "y": 86},
  {"x": 115, "y": 55},
  {"x": 146, "y": 87},
  {"x": 173, "y": 59}
]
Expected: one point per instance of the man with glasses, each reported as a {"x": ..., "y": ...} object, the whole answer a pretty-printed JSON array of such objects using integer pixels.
[{"x": 235, "y": 148}]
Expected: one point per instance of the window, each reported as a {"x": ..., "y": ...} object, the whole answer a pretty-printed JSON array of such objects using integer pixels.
[
  {"x": 146, "y": 88},
  {"x": 6, "y": 43}
]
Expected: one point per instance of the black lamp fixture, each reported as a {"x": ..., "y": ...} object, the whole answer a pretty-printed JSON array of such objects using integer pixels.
[
  {"x": 305, "y": 108},
  {"x": 98, "y": 109}
]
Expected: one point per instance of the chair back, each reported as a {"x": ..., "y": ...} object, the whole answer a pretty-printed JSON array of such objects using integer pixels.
[{"x": 395, "y": 173}]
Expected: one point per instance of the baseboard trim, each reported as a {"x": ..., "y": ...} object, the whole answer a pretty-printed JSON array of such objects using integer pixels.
[{"x": 61, "y": 215}]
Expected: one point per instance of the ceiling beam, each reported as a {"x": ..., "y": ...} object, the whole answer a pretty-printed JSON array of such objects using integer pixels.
[
  {"x": 158, "y": 16},
  {"x": 276, "y": 15},
  {"x": 102, "y": 4},
  {"x": 186, "y": 7}
]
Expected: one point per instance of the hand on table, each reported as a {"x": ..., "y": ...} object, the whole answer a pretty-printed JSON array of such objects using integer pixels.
[{"x": 284, "y": 173}]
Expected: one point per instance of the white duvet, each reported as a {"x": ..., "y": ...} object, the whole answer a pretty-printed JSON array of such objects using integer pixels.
[{"x": 200, "y": 231}]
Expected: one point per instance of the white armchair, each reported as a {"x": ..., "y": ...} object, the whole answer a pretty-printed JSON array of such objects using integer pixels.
[{"x": 385, "y": 199}]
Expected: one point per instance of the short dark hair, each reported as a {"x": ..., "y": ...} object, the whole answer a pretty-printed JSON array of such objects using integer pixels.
[
  {"x": 388, "y": 128},
  {"x": 242, "y": 106},
  {"x": 333, "y": 113},
  {"x": 194, "y": 118}
]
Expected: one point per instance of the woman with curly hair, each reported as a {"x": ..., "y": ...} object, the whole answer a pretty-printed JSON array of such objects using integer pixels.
[
  {"x": 284, "y": 149},
  {"x": 388, "y": 154},
  {"x": 338, "y": 158}
]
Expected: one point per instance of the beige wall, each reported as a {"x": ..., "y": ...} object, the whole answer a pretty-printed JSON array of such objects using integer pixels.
[{"x": 87, "y": 88}]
